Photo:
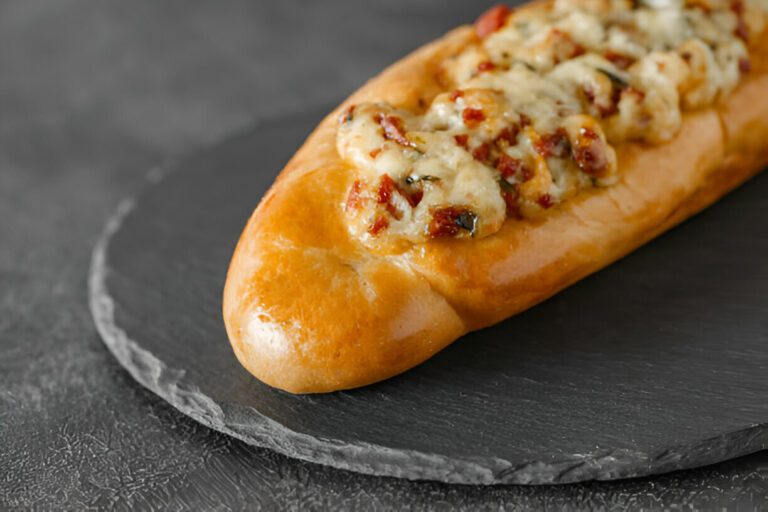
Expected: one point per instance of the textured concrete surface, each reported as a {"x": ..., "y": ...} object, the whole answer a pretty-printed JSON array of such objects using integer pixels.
[{"x": 92, "y": 95}]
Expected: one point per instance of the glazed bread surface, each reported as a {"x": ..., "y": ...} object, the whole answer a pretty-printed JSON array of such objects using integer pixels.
[{"x": 308, "y": 308}]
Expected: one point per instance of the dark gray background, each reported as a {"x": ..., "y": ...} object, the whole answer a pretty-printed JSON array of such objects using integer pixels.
[{"x": 92, "y": 95}]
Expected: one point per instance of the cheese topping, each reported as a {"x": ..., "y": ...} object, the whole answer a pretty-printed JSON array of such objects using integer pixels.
[{"x": 533, "y": 108}]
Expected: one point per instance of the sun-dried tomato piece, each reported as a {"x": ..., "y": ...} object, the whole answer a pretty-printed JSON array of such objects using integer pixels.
[
  {"x": 381, "y": 223},
  {"x": 509, "y": 166},
  {"x": 589, "y": 152},
  {"x": 387, "y": 186},
  {"x": 741, "y": 30},
  {"x": 393, "y": 129},
  {"x": 553, "y": 144},
  {"x": 486, "y": 65},
  {"x": 415, "y": 198},
  {"x": 491, "y": 20},
  {"x": 546, "y": 201},
  {"x": 461, "y": 140},
  {"x": 745, "y": 65},
  {"x": 511, "y": 197},
  {"x": 472, "y": 116},
  {"x": 507, "y": 136},
  {"x": 451, "y": 220},
  {"x": 482, "y": 152},
  {"x": 353, "y": 199}
]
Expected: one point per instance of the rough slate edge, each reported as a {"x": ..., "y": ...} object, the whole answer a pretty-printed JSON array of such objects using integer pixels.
[{"x": 250, "y": 426}]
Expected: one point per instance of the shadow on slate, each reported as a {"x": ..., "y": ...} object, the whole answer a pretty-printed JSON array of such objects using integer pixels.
[{"x": 656, "y": 363}]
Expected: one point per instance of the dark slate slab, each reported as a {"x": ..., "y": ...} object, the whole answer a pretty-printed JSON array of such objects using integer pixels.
[{"x": 659, "y": 362}]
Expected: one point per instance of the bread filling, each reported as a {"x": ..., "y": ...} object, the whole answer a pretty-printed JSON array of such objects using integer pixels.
[{"x": 533, "y": 108}]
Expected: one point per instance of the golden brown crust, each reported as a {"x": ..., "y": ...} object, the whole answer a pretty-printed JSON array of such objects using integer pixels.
[{"x": 308, "y": 309}]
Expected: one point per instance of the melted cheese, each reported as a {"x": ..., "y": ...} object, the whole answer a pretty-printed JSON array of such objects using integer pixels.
[{"x": 533, "y": 110}]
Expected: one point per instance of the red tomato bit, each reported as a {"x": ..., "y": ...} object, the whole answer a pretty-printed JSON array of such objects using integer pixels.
[
  {"x": 589, "y": 93},
  {"x": 511, "y": 197},
  {"x": 509, "y": 166},
  {"x": 393, "y": 129},
  {"x": 451, "y": 220},
  {"x": 745, "y": 66},
  {"x": 462, "y": 140},
  {"x": 472, "y": 116},
  {"x": 546, "y": 201},
  {"x": 589, "y": 153},
  {"x": 507, "y": 136},
  {"x": 555, "y": 144},
  {"x": 415, "y": 198},
  {"x": 384, "y": 194},
  {"x": 386, "y": 191},
  {"x": 353, "y": 199},
  {"x": 486, "y": 65},
  {"x": 482, "y": 152},
  {"x": 741, "y": 30},
  {"x": 491, "y": 20},
  {"x": 381, "y": 223}
]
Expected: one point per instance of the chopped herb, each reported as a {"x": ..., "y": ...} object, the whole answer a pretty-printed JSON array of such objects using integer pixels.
[
  {"x": 410, "y": 180},
  {"x": 467, "y": 220},
  {"x": 617, "y": 80},
  {"x": 524, "y": 63},
  {"x": 505, "y": 185}
]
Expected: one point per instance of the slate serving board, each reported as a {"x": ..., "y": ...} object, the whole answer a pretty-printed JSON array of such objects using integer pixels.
[{"x": 659, "y": 362}]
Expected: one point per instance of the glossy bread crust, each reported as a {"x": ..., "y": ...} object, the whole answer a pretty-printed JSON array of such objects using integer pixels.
[{"x": 309, "y": 309}]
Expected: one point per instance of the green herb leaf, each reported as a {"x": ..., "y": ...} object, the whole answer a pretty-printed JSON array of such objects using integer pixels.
[
  {"x": 617, "y": 80},
  {"x": 467, "y": 220}
]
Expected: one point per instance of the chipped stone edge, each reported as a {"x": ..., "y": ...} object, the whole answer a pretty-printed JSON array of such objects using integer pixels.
[{"x": 252, "y": 427}]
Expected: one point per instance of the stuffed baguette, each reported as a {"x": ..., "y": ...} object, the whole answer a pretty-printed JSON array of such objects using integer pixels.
[{"x": 487, "y": 171}]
